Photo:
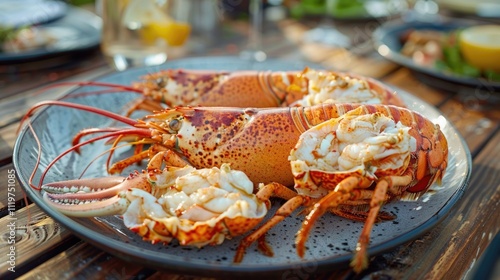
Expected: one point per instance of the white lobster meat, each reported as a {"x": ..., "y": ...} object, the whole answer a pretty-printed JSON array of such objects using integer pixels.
[
  {"x": 197, "y": 207},
  {"x": 330, "y": 87},
  {"x": 363, "y": 144}
]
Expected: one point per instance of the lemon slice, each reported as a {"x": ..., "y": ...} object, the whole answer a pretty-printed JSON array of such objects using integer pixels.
[
  {"x": 480, "y": 46},
  {"x": 175, "y": 33}
]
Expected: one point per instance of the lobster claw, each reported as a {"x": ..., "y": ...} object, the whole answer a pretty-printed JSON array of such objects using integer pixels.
[{"x": 92, "y": 197}]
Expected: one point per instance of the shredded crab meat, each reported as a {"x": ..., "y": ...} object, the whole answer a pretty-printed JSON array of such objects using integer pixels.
[
  {"x": 187, "y": 198},
  {"x": 326, "y": 87},
  {"x": 365, "y": 143}
]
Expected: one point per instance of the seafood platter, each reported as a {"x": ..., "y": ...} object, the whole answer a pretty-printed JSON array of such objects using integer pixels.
[{"x": 221, "y": 165}]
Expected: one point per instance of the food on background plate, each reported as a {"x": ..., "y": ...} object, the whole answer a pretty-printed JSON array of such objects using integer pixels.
[
  {"x": 15, "y": 40},
  {"x": 457, "y": 52}
]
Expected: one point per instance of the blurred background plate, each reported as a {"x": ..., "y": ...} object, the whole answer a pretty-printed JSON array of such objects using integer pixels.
[
  {"x": 77, "y": 30},
  {"x": 388, "y": 43},
  {"x": 19, "y": 13}
]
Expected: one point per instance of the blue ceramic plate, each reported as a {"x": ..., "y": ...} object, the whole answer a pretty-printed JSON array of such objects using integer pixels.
[
  {"x": 19, "y": 13},
  {"x": 330, "y": 245},
  {"x": 388, "y": 43},
  {"x": 77, "y": 30}
]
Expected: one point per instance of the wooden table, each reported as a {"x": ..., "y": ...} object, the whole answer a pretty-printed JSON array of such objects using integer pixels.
[{"x": 451, "y": 250}]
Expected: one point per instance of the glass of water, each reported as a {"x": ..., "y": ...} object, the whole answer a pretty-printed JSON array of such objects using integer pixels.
[{"x": 142, "y": 32}]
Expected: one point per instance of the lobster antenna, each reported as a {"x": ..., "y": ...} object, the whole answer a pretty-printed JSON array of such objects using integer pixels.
[
  {"x": 90, "y": 83},
  {"x": 30, "y": 180},
  {"x": 88, "y": 131},
  {"x": 89, "y": 93},
  {"x": 110, "y": 150},
  {"x": 136, "y": 131},
  {"x": 102, "y": 112}
]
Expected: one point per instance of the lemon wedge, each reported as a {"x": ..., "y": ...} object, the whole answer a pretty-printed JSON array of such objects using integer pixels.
[
  {"x": 174, "y": 32},
  {"x": 480, "y": 46},
  {"x": 153, "y": 23}
]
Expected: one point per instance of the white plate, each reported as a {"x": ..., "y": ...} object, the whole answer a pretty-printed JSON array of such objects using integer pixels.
[{"x": 330, "y": 245}]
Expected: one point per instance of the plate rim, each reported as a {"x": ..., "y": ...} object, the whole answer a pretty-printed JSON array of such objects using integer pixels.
[
  {"x": 202, "y": 268},
  {"x": 59, "y": 9}
]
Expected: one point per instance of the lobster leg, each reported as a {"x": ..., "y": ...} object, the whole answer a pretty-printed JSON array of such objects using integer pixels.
[
  {"x": 168, "y": 157},
  {"x": 360, "y": 260},
  {"x": 158, "y": 155},
  {"x": 144, "y": 104},
  {"x": 349, "y": 209},
  {"x": 270, "y": 190},
  {"x": 343, "y": 192},
  {"x": 118, "y": 166}
]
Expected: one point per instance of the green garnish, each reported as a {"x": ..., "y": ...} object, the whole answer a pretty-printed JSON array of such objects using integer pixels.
[
  {"x": 7, "y": 33},
  {"x": 453, "y": 61}
]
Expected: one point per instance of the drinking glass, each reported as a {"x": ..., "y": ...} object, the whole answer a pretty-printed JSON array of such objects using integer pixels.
[
  {"x": 253, "y": 51},
  {"x": 142, "y": 32}
]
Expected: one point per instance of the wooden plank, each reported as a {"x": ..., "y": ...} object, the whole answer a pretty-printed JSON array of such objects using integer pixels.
[
  {"x": 475, "y": 126},
  {"x": 371, "y": 66},
  {"x": 450, "y": 250},
  {"x": 17, "y": 78},
  {"x": 84, "y": 261},
  {"x": 342, "y": 60},
  {"x": 37, "y": 237},
  {"x": 14, "y": 107},
  {"x": 11, "y": 194},
  {"x": 316, "y": 52},
  {"x": 484, "y": 102},
  {"x": 374, "y": 66},
  {"x": 7, "y": 139}
]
